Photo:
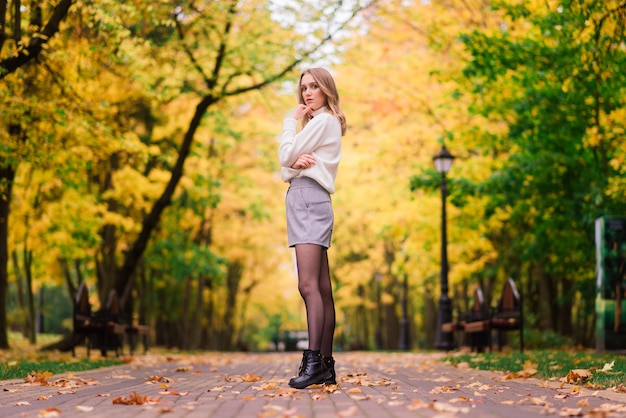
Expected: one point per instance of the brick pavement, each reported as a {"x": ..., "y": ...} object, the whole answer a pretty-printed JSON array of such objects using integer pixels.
[{"x": 233, "y": 385}]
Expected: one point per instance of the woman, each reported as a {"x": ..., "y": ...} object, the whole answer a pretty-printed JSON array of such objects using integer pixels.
[{"x": 309, "y": 162}]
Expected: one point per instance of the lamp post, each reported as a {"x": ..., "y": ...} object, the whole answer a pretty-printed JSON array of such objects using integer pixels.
[{"x": 443, "y": 161}]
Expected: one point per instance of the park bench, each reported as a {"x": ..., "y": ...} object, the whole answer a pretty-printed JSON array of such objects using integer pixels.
[
  {"x": 102, "y": 329},
  {"x": 475, "y": 323},
  {"x": 105, "y": 329},
  {"x": 120, "y": 326},
  {"x": 137, "y": 331},
  {"x": 508, "y": 315},
  {"x": 479, "y": 323}
]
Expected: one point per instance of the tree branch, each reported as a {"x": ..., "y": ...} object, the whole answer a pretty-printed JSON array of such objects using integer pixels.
[{"x": 25, "y": 55}]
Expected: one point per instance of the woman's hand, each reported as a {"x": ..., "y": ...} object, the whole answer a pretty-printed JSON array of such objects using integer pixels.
[
  {"x": 301, "y": 110},
  {"x": 303, "y": 161}
]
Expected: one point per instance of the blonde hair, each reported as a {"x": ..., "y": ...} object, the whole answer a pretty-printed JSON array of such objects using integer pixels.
[{"x": 327, "y": 85}]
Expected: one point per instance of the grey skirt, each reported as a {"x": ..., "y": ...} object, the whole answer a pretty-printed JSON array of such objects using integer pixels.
[{"x": 309, "y": 213}]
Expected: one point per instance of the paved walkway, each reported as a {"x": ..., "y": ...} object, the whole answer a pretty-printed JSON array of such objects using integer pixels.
[{"x": 372, "y": 385}]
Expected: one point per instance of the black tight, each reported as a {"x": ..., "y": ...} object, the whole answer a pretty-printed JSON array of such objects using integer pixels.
[{"x": 316, "y": 290}]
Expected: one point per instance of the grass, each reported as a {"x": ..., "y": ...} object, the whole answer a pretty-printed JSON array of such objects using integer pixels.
[
  {"x": 605, "y": 370},
  {"x": 24, "y": 358}
]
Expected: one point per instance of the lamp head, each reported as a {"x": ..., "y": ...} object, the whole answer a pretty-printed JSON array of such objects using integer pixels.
[{"x": 443, "y": 160}]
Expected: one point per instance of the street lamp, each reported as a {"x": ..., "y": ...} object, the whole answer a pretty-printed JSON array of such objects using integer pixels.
[{"x": 443, "y": 162}]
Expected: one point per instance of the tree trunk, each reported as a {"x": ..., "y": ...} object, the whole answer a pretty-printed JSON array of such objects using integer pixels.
[
  {"x": 185, "y": 317},
  {"x": 19, "y": 281},
  {"x": 28, "y": 256},
  {"x": 233, "y": 278},
  {"x": 565, "y": 307},
  {"x": 7, "y": 175},
  {"x": 430, "y": 318},
  {"x": 124, "y": 278},
  {"x": 391, "y": 321},
  {"x": 196, "y": 324},
  {"x": 545, "y": 298}
]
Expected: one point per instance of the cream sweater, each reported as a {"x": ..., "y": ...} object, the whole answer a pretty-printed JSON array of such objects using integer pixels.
[{"x": 321, "y": 137}]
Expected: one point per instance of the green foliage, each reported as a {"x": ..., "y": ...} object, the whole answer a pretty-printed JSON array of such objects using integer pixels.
[
  {"x": 22, "y": 369},
  {"x": 551, "y": 364},
  {"x": 551, "y": 75},
  {"x": 534, "y": 339}
]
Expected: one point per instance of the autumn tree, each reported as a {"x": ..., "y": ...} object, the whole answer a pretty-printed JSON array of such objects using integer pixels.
[
  {"x": 25, "y": 32},
  {"x": 551, "y": 73},
  {"x": 133, "y": 63}
]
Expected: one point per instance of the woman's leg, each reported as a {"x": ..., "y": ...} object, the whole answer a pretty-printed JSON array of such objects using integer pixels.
[
  {"x": 309, "y": 261},
  {"x": 326, "y": 290}
]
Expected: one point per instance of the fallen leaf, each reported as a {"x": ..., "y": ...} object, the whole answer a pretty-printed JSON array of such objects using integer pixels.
[
  {"x": 266, "y": 386},
  {"x": 66, "y": 392},
  {"x": 38, "y": 378},
  {"x": 578, "y": 375},
  {"x": 350, "y": 412},
  {"x": 571, "y": 412},
  {"x": 460, "y": 399},
  {"x": 159, "y": 379},
  {"x": 608, "y": 366},
  {"x": 583, "y": 403},
  {"x": 597, "y": 413},
  {"x": 82, "y": 408},
  {"x": 164, "y": 410},
  {"x": 135, "y": 399},
  {"x": 331, "y": 388},
  {"x": 534, "y": 401},
  {"x": 446, "y": 407},
  {"x": 49, "y": 413},
  {"x": 249, "y": 377},
  {"x": 418, "y": 404},
  {"x": 287, "y": 392}
]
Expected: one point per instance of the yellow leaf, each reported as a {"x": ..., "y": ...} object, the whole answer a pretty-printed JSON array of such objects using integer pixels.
[
  {"x": 249, "y": 377},
  {"x": 608, "y": 367},
  {"x": 583, "y": 403}
]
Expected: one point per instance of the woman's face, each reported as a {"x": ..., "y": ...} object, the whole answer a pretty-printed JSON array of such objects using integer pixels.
[{"x": 311, "y": 93}]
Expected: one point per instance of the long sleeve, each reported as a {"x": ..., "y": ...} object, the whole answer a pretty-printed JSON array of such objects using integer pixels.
[{"x": 321, "y": 137}]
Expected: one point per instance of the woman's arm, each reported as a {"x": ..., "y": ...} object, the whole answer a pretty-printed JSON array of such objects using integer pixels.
[{"x": 293, "y": 146}]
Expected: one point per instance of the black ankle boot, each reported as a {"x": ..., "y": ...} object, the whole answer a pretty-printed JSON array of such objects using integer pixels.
[
  {"x": 329, "y": 362},
  {"x": 314, "y": 372},
  {"x": 302, "y": 366}
]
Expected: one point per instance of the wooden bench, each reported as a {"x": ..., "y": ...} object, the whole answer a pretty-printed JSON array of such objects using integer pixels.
[
  {"x": 508, "y": 314},
  {"x": 101, "y": 330},
  {"x": 137, "y": 331},
  {"x": 479, "y": 323},
  {"x": 475, "y": 323},
  {"x": 119, "y": 326}
]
